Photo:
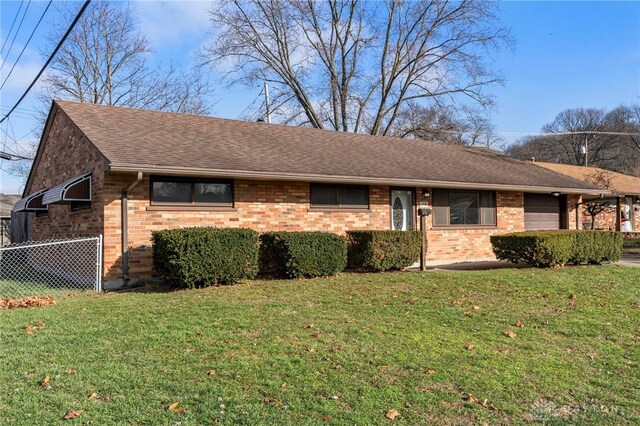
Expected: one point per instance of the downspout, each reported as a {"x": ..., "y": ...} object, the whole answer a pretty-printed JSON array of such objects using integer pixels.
[{"x": 125, "y": 226}]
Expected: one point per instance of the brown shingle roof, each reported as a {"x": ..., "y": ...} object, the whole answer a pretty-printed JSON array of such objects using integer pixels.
[
  {"x": 620, "y": 183},
  {"x": 162, "y": 142}
]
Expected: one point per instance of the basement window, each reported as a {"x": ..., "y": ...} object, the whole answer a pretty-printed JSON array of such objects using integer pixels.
[{"x": 191, "y": 191}]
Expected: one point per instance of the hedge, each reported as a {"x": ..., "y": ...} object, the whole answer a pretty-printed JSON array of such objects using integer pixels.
[
  {"x": 383, "y": 250},
  {"x": 551, "y": 248},
  {"x": 303, "y": 254},
  {"x": 197, "y": 257}
]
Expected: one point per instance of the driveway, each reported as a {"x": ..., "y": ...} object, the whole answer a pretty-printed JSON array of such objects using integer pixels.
[{"x": 629, "y": 260}]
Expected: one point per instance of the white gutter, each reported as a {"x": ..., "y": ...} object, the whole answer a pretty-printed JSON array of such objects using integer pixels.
[{"x": 304, "y": 177}]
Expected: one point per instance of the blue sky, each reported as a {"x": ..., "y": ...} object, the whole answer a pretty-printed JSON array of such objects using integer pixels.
[{"x": 568, "y": 54}]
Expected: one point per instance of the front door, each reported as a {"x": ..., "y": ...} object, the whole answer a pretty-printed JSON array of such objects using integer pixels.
[{"x": 401, "y": 210}]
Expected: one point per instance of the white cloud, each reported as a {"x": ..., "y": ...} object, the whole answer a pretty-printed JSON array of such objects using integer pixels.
[{"x": 174, "y": 23}]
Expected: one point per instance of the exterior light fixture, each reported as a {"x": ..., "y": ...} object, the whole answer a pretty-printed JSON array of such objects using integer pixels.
[
  {"x": 555, "y": 194},
  {"x": 426, "y": 193}
]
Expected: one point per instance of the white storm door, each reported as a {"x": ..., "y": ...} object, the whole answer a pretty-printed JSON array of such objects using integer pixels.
[{"x": 401, "y": 210}]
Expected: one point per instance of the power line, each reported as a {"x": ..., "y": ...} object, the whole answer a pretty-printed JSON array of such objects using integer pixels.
[
  {"x": 26, "y": 44},
  {"x": 250, "y": 105},
  {"x": 44, "y": 67},
  {"x": 11, "y": 29},
  {"x": 15, "y": 35}
]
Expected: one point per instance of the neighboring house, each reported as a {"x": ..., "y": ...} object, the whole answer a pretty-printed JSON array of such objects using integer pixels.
[
  {"x": 7, "y": 201},
  {"x": 124, "y": 172},
  {"x": 623, "y": 213}
]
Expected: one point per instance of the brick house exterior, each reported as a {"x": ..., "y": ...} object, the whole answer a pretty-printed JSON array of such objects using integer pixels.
[
  {"x": 261, "y": 204},
  {"x": 625, "y": 190}
]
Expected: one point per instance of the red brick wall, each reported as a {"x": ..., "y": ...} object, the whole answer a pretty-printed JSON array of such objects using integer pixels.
[
  {"x": 67, "y": 154},
  {"x": 266, "y": 206},
  {"x": 472, "y": 242},
  {"x": 607, "y": 220},
  {"x": 260, "y": 205}
]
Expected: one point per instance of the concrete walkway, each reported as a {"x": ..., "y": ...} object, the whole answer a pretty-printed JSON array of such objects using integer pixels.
[{"x": 627, "y": 260}]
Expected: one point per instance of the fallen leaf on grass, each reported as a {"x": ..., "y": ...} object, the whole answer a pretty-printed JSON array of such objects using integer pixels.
[
  {"x": 308, "y": 326},
  {"x": 71, "y": 371},
  {"x": 573, "y": 297},
  {"x": 325, "y": 418},
  {"x": 173, "y": 406},
  {"x": 476, "y": 308},
  {"x": 181, "y": 410},
  {"x": 470, "y": 398},
  {"x": 72, "y": 414},
  {"x": 211, "y": 373},
  {"x": 392, "y": 414},
  {"x": 94, "y": 395},
  {"x": 519, "y": 324},
  {"x": 27, "y": 302},
  {"x": 510, "y": 334},
  {"x": 469, "y": 346},
  {"x": 316, "y": 335},
  {"x": 312, "y": 349},
  {"x": 45, "y": 382},
  {"x": 431, "y": 372},
  {"x": 467, "y": 314}
]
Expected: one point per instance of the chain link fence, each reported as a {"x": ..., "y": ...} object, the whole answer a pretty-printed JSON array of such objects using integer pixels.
[{"x": 52, "y": 266}]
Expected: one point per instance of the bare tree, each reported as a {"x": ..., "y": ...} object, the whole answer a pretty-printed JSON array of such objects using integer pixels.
[
  {"x": 601, "y": 179},
  {"x": 463, "y": 126},
  {"x": 603, "y": 150},
  {"x": 105, "y": 61},
  {"x": 351, "y": 65}
]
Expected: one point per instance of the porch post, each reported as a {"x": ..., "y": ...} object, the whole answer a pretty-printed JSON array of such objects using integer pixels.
[
  {"x": 618, "y": 214},
  {"x": 423, "y": 249}
]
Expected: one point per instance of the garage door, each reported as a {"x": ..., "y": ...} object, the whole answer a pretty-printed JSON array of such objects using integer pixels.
[{"x": 541, "y": 211}]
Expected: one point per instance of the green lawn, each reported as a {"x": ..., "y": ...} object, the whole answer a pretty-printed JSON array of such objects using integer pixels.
[
  {"x": 336, "y": 351},
  {"x": 631, "y": 245}
]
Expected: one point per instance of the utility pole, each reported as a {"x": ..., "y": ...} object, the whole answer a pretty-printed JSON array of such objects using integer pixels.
[
  {"x": 586, "y": 150},
  {"x": 266, "y": 101}
]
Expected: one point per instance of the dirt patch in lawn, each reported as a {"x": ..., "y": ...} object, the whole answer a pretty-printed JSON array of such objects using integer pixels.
[{"x": 27, "y": 302}]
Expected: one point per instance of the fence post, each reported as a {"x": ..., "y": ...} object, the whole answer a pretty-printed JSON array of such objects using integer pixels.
[{"x": 99, "y": 264}]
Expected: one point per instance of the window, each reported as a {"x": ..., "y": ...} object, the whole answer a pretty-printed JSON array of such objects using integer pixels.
[
  {"x": 455, "y": 208},
  {"x": 173, "y": 190},
  {"x": 339, "y": 196}
]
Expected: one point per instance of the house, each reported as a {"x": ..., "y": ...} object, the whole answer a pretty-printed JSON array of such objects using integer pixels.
[
  {"x": 124, "y": 172},
  {"x": 623, "y": 213},
  {"x": 7, "y": 201}
]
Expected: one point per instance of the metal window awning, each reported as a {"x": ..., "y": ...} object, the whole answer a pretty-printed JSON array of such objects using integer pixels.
[
  {"x": 73, "y": 190},
  {"x": 31, "y": 203}
]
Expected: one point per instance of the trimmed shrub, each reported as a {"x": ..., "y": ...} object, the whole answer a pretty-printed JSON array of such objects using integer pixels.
[
  {"x": 597, "y": 247},
  {"x": 198, "y": 257},
  {"x": 383, "y": 250},
  {"x": 551, "y": 248},
  {"x": 303, "y": 254}
]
